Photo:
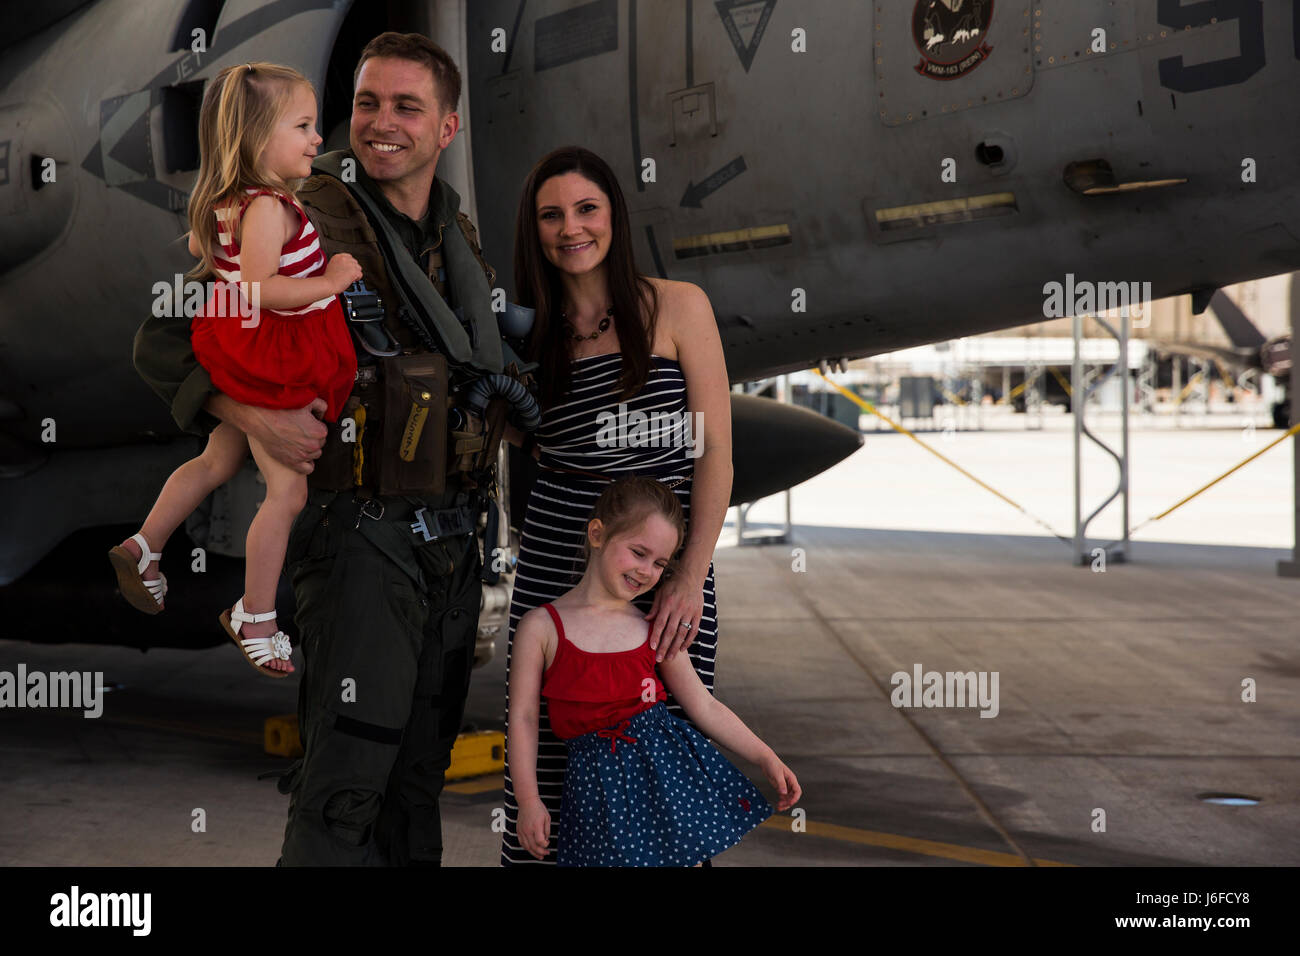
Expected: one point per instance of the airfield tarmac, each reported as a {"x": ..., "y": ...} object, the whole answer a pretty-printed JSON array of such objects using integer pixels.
[{"x": 1118, "y": 691}]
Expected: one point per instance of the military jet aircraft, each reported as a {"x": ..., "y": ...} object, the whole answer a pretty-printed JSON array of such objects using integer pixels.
[{"x": 842, "y": 178}]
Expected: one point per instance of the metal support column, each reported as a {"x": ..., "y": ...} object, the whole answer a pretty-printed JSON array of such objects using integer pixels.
[
  {"x": 1148, "y": 377},
  {"x": 1033, "y": 395},
  {"x": 1291, "y": 568},
  {"x": 1082, "y": 390}
]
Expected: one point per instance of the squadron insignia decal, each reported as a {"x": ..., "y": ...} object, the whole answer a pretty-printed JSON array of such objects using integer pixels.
[
  {"x": 745, "y": 20},
  {"x": 950, "y": 35}
]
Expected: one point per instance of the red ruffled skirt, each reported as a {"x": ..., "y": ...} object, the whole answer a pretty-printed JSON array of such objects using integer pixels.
[{"x": 282, "y": 361}]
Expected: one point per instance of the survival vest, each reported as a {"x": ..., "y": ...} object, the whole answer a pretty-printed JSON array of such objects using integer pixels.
[{"x": 408, "y": 427}]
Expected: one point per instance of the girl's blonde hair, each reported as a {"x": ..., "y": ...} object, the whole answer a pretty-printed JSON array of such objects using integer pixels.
[
  {"x": 240, "y": 110},
  {"x": 627, "y": 502}
]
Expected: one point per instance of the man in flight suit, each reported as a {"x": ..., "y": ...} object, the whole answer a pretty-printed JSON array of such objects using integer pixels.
[{"x": 387, "y": 612}]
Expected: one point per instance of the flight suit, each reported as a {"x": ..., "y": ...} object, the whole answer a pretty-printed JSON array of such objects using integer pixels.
[
  {"x": 386, "y": 625},
  {"x": 386, "y": 620}
]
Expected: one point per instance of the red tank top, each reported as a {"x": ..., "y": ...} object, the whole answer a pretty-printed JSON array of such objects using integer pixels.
[{"x": 589, "y": 690}]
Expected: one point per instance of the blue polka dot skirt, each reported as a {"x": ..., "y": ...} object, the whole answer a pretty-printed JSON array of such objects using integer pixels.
[{"x": 652, "y": 792}]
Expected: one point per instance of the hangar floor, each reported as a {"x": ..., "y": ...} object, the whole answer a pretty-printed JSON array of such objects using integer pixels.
[{"x": 1118, "y": 691}]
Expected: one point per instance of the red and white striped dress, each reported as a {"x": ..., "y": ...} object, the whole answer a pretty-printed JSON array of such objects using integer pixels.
[{"x": 276, "y": 358}]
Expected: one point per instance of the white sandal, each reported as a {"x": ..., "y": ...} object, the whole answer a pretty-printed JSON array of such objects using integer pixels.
[
  {"x": 257, "y": 650},
  {"x": 142, "y": 595}
]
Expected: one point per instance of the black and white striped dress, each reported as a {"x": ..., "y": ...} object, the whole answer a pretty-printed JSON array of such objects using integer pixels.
[{"x": 550, "y": 555}]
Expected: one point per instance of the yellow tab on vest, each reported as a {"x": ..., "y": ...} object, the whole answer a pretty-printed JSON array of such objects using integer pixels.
[
  {"x": 411, "y": 435},
  {"x": 358, "y": 455}
]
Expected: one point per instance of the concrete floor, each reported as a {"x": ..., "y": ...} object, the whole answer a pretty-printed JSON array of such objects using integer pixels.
[{"x": 1119, "y": 691}]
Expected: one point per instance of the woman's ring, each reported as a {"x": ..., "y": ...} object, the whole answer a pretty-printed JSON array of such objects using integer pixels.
[{"x": 685, "y": 624}]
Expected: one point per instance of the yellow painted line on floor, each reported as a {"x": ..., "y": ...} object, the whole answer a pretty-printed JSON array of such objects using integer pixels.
[
  {"x": 478, "y": 784},
  {"x": 832, "y": 831},
  {"x": 892, "y": 841}
]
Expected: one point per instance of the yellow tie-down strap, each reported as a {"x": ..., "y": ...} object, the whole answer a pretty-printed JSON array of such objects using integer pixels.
[
  {"x": 871, "y": 409},
  {"x": 358, "y": 455}
]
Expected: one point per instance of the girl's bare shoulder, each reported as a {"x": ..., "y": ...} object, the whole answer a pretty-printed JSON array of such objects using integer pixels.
[
  {"x": 271, "y": 212},
  {"x": 536, "y": 628},
  {"x": 536, "y": 621}
]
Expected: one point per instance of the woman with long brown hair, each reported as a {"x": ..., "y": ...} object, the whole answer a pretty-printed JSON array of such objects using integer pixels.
[{"x": 633, "y": 381}]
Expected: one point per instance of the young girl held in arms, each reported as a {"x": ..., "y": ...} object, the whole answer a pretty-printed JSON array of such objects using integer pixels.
[
  {"x": 289, "y": 347},
  {"x": 642, "y": 787}
]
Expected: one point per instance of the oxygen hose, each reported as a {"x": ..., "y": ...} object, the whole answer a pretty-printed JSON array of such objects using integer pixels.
[{"x": 527, "y": 414}]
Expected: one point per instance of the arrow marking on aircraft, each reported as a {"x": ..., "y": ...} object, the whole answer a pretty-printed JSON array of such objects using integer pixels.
[{"x": 694, "y": 194}]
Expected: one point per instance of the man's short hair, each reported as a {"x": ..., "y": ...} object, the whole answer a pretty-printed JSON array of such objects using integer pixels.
[{"x": 419, "y": 49}]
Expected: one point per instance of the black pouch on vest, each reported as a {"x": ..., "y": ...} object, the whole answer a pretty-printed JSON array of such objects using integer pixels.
[
  {"x": 413, "y": 459},
  {"x": 333, "y": 469}
]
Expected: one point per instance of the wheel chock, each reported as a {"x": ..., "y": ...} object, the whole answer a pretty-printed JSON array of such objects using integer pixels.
[
  {"x": 477, "y": 754},
  {"x": 474, "y": 755},
  {"x": 280, "y": 736}
]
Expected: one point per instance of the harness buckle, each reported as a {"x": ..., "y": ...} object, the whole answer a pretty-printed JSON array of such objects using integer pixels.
[
  {"x": 365, "y": 510},
  {"x": 447, "y": 522}
]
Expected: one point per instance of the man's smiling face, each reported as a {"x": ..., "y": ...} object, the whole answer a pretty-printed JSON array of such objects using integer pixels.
[{"x": 399, "y": 127}]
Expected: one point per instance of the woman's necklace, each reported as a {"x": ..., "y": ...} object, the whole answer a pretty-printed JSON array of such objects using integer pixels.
[{"x": 604, "y": 324}]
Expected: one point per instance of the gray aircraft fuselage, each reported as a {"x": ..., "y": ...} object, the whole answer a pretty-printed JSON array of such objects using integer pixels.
[
  {"x": 842, "y": 178},
  {"x": 823, "y": 171}
]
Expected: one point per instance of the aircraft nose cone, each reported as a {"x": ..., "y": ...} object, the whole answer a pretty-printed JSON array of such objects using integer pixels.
[{"x": 776, "y": 446}]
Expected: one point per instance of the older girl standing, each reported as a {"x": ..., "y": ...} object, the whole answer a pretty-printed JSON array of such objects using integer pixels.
[{"x": 613, "y": 343}]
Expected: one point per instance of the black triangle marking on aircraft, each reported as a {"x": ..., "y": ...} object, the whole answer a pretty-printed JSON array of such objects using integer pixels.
[
  {"x": 158, "y": 194},
  {"x": 694, "y": 194},
  {"x": 94, "y": 163},
  {"x": 108, "y": 108},
  {"x": 728, "y": 11},
  {"x": 132, "y": 149},
  {"x": 129, "y": 152},
  {"x": 234, "y": 33}
]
